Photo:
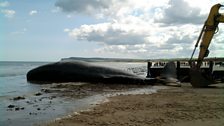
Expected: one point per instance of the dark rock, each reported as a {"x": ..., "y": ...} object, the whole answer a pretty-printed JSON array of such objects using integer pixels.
[
  {"x": 29, "y": 102},
  {"x": 38, "y": 94},
  {"x": 11, "y": 106},
  {"x": 32, "y": 113},
  {"x": 81, "y": 72},
  {"x": 18, "y": 98},
  {"x": 17, "y": 109}
]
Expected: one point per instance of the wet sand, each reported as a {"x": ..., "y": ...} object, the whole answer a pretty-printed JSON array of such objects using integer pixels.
[
  {"x": 60, "y": 99},
  {"x": 176, "y": 106}
]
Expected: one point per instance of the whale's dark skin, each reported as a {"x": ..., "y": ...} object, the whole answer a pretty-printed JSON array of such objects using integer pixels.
[{"x": 76, "y": 71}]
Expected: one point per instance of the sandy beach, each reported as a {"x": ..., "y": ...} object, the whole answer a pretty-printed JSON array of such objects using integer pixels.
[{"x": 176, "y": 106}]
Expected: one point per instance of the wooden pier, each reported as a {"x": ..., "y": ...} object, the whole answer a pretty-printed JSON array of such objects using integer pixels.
[{"x": 213, "y": 68}]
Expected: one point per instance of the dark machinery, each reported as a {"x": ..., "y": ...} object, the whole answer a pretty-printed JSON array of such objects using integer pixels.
[{"x": 197, "y": 77}]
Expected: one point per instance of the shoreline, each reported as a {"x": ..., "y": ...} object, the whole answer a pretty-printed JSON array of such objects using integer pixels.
[
  {"x": 103, "y": 95},
  {"x": 58, "y": 100},
  {"x": 180, "y": 106}
]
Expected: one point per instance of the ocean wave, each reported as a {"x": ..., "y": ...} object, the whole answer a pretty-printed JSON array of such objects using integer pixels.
[{"x": 11, "y": 74}]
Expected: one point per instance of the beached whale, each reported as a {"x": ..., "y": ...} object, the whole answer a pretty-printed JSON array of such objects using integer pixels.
[{"x": 77, "y": 71}]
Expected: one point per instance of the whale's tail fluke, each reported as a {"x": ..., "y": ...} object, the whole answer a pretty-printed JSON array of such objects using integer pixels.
[{"x": 169, "y": 75}]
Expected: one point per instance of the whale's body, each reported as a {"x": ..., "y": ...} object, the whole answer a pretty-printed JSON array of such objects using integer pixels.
[{"x": 77, "y": 71}]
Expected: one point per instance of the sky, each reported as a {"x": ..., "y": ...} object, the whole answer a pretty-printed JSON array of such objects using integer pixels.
[{"x": 48, "y": 30}]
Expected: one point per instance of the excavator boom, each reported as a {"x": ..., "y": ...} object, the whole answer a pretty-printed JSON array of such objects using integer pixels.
[
  {"x": 206, "y": 35},
  {"x": 211, "y": 26}
]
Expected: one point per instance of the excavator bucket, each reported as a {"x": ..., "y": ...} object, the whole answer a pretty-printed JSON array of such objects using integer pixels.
[{"x": 199, "y": 79}]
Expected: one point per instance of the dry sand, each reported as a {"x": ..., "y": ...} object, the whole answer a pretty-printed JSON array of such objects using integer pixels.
[{"x": 176, "y": 106}]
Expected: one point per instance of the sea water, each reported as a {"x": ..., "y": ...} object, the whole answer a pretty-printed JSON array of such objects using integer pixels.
[
  {"x": 13, "y": 78},
  {"x": 12, "y": 84},
  {"x": 39, "y": 109}
]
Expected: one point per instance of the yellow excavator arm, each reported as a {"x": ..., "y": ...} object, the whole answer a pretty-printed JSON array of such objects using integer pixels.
[
  {"x": 197, "y": 78},
  {"x": 207, "y": 33}
]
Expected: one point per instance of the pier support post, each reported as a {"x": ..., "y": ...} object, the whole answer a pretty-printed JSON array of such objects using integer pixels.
[
  {"x": 149, "y": 64},
  {"x": 178, "y": 69},
  {"x": 211, "y": 63}
]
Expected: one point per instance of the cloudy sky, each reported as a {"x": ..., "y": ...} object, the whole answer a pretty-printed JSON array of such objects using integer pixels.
[{"x": 47, "y": 30}]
